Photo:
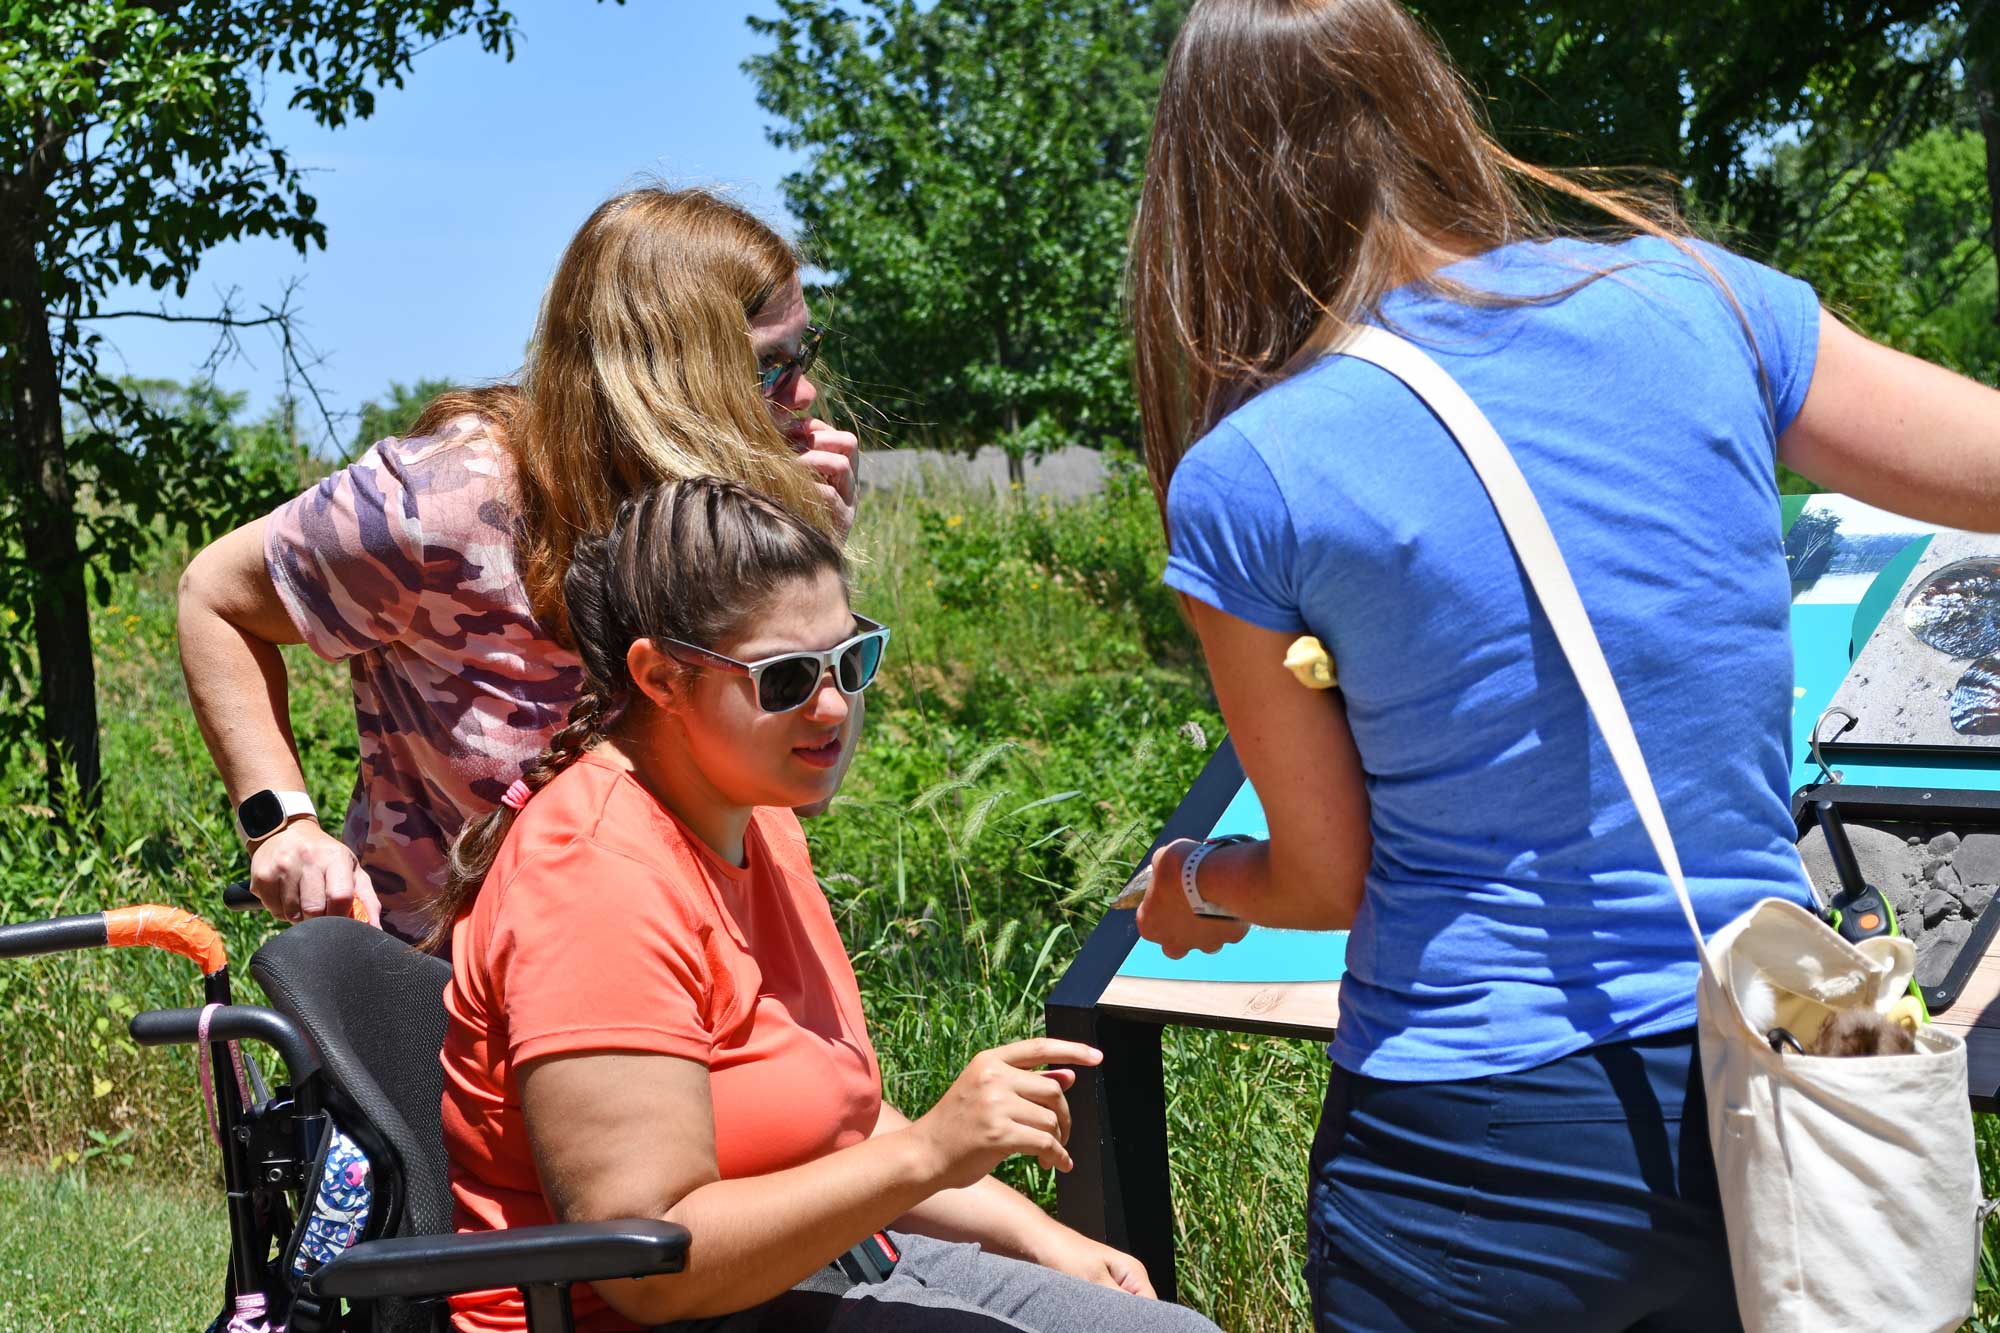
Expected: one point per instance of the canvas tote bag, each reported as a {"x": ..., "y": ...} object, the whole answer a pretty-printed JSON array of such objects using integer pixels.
[{"x": 1850, "y": 1187}]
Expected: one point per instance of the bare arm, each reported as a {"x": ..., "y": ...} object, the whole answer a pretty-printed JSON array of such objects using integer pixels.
[
  {"x": 1898, "y": 433},
  {"x": 1299, "y": 754},
  {"x": 231, "y": 623},
  {"x": 595, "y": 1125},
  {"x": 1002, "y": 1220}
]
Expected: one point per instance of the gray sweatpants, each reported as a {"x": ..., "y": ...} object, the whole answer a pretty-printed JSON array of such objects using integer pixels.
[{"x": 953, "y": 1288}]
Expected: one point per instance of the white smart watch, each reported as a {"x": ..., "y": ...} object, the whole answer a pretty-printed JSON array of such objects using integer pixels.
[
  {"x": 264, "y": 813},
  {"x": 1201, "y": 905}
]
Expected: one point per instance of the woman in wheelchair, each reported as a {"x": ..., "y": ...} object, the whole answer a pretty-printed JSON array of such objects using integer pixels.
[{"x": 652, "y": 1013}]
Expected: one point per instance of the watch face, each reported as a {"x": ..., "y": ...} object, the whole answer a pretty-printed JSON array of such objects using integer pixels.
[{"x": 260, "y": 814}]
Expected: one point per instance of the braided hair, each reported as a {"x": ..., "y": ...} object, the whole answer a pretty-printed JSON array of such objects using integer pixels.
[{"x": 686, "y": 560}]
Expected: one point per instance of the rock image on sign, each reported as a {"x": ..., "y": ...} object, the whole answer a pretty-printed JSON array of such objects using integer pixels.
[
  {"x": 1938, "y": 882},
  {"x": 1929, "y": 675}
]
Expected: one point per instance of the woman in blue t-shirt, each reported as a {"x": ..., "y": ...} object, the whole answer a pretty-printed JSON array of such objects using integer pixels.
[{"x": 1502, "y": 1142}]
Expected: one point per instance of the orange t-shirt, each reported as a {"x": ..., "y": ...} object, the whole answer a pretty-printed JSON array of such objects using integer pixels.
[{"x": 605, "y": 925}]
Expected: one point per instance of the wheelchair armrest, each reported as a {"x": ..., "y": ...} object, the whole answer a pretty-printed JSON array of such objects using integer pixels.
[
  {"x": 232, "y": 1022},
  {"x": 419, "y": 1266}
]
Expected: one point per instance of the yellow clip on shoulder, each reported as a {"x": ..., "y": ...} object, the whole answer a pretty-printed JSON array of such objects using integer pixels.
[{"x": 1307, "y": 660}]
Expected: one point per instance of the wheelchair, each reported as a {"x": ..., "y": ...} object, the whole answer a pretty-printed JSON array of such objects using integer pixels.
[{"x": 340, "y": 1212}]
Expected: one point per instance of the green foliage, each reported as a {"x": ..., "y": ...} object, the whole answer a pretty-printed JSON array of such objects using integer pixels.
[
  {"x": 1699, "y": 92},
  {"x": 151, "y": 459},
  {"x": 136, "y": 131},
  {"x": 395, "y": 413},
  {"x": 134, "y": 141},
  {"x": 973, "y": 167},
  {"x": 1908, "y": 257},
  {"x": 1107, "y": 552},
  {"x": 1114, "y": 559}
]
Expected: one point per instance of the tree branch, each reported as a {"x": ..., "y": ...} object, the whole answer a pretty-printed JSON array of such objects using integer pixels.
[
  {"x": 1955, "y": 280},
  {"x": 1871, "y": 159},
  {"x": 225, "y": 320},
  {"x": 37, "y": 172},
  {"x": 290, "y": 345},
  {"x": 298, "y": 356}
]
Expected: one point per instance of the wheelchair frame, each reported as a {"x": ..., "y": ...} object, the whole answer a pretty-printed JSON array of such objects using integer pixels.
[{"x": 269, "y": 1148}]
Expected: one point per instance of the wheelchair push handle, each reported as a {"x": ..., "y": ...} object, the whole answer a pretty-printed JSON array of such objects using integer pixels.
[
  {"x": 231, "y": 1022},
  {"x": 146, "y": 925},
  {"x": 238, "y": 898},
  {"x": 59, "y": 934}
]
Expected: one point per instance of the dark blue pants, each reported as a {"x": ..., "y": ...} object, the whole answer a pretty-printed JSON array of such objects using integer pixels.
[{"x": 1564, "y": 1197}]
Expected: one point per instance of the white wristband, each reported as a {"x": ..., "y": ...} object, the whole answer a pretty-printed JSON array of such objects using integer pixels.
[{"x": 1201, "y": 905}]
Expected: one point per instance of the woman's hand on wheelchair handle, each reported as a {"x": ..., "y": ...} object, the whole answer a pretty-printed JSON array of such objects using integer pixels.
[
  {"x": 303, "y": 871},
  {"x": 1003, "y": 1104}
]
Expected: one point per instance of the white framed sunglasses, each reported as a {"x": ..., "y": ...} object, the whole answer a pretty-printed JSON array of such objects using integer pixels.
[{"x": 786, "y": 681}]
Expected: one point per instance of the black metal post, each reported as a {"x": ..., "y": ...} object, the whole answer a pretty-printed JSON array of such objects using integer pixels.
[
  {"x": 548, "y": 1309},
  {"x": 244, "y": 1261},
  {"x": 1119, "y": 1190},
  {"x": 1845, "y": 864}
]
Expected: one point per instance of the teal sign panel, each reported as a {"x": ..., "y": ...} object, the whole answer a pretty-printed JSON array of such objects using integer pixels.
[{"x": 1262, "y": 955}]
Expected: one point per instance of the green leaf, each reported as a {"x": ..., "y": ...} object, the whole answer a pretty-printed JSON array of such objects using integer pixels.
[{"x": 1056, "y": 799}]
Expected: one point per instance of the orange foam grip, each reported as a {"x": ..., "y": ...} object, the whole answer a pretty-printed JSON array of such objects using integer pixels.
[{"x": 151, "y": 925}]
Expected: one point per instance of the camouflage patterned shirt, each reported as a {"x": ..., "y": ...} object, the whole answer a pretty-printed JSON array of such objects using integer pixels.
[{"x": 403, "y": 565}]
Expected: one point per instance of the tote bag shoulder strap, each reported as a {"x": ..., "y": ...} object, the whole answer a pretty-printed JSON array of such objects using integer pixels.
[{"x": 1535, "y": 546}]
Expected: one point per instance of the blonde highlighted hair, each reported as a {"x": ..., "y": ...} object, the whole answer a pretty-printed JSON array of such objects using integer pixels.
[{"x": 641, "y": 371}]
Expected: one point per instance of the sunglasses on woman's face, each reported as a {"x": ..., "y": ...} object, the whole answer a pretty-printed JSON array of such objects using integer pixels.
[
  {"x": 775, "y": 378},
  {"x": 788, "y": 680}
]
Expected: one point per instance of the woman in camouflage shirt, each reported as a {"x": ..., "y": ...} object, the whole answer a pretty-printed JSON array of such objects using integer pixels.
[{"x": 673, "y": 342}]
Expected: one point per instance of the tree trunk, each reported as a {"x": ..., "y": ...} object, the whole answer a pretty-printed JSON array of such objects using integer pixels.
[
  {"x": 41, "y": 484},
  {"x": 1981, "y": 71}
]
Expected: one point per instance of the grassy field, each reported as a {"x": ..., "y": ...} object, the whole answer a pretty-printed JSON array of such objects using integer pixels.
[
  {"x": 94, "y": 1252},
  {"x": 1041, "y": 713}
]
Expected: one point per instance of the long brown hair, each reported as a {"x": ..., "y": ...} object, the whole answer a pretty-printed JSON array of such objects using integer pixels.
[
  {"x": 689, "y": 560},
  {"x": 1308, "y": 158},
  {"x": 641, "y": 371}
]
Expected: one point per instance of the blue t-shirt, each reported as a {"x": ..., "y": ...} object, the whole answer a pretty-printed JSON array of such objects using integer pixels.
[{"x": 1514, "y": 910}]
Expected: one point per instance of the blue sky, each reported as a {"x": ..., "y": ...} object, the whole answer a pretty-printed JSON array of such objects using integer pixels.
[{"x": 447, "y": 210}]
